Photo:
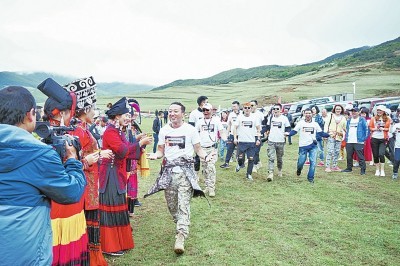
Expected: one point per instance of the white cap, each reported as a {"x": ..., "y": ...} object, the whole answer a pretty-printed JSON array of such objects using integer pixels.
[
  {"x": 207, "y": 106},
  {"x": 381, "y": 107}
]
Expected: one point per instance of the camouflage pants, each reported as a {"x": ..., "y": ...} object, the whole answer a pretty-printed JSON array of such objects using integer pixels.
[
  {"x": 333, "y": 150},
  {"x": 178, "y": 196},
  {"x": 275, "y": 148},
  {"x": 208, "y": 170}
]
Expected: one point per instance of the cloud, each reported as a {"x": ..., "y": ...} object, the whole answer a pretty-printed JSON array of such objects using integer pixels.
[{"x": 156, "y": 42}]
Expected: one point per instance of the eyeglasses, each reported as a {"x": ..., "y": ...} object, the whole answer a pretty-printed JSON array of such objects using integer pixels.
[
  {"x": 206, "y": 110},
  {"x": 246, "y": 107},
  {"x": 276, "y": 108}
]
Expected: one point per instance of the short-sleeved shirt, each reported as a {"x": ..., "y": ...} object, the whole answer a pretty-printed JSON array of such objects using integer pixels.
[
  {"x": 196, "y": 116},
  {"x": 307, "y": 132},
  {"x": 178, "y": 141},
  {"x": 232, "y": 119},
  {"x": 247, "y": 127},
  {"x": 379, "y": 134},
  {"x": 277, "y": 128},
  {"x": 352, "y": 135},
  {"x": 208, "y": 130},
  {"x": 395, "y": 129}
]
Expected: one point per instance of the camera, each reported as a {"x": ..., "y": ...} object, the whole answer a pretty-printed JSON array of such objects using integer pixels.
[{"x": 55, "y": 136}]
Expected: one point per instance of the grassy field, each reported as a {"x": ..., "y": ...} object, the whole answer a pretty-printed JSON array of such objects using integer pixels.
[
  {"x": 344, "y": 219},
  {"x": 370, "y": 82}
]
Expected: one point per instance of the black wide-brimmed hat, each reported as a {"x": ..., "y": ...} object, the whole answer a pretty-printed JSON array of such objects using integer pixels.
[
  {"x": 119, "y": 108},
  {"x": 59, "y": 99}
]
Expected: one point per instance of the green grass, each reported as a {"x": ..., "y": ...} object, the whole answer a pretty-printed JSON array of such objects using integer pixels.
[
  {"x": 344, "y": 219},
  {"x": 370, "y": 80}
]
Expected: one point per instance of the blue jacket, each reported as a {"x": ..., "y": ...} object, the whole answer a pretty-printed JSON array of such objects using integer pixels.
[
  {"x": 362, "y": 130},
  {"x": 320, "y": 121},
  {"x": 31, "y": 173}
]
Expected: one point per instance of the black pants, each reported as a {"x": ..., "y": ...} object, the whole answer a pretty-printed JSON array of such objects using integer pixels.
[
  {"x": 378, "y": 147},
  {"x": 230, "y": 147},
  {"x": 257, "y": 154},
  {"x": 389, "y": 153},
  {"x": 359, "y": 149}
]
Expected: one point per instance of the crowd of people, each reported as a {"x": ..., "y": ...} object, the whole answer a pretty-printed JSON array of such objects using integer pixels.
[{"x": 78, "y": 198}]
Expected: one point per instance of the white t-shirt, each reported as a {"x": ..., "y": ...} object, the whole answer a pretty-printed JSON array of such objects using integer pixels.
[
  {"x": 378, "y": 134},
  {"x": 352, "y": 137},
  {"x": 246, "y": 127},
  {"x": 232, "y": 119},
  {"x": 195, "y": 116},
  {"x": 178, "y": 141},
  {"x": 307, "y": 132},
  {"x": 208, "y": 130},
  {"x": 225, "y": 127},
  {"x": 259, "y": 115},
  {"x": 277, "y": 129},
  {"x": 395, "y": 129}
]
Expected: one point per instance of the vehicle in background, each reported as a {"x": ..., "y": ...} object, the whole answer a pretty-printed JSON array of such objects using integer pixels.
[
  {"x": 392, "y": 105},
  {"x": 370, "y": 103},
  {"x": 365, "y": 103},
  {"x": 297, "y": 106}
]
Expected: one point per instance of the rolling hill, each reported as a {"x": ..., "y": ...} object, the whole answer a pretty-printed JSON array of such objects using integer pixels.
[
  {"x": 31, "y": 80},
  {"x": 386, "y": 54}
]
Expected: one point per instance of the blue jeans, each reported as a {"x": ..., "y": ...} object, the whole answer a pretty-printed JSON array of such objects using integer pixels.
[
  {"x": 311, "y": 151},
  {"x": 222, "y": 148},
  {"x": 320, "y": 149},
  {"x": 155, "y": 136}
]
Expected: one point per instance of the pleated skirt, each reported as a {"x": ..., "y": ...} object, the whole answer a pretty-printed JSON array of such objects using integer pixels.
[{"x": 115, "y": 229}]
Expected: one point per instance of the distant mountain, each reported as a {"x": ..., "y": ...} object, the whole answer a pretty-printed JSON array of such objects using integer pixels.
[
  {"x": 31, "y": 80},
  {"x": 387, "y": 54}
]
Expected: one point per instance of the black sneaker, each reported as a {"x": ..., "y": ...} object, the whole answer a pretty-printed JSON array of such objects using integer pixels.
[
  {"x": 137, "y": 203},
  {"x": 225, "y": 165},
  {"x": 237, "y": 168},
  {"x": 347, "y": 170},
  {"x": 298, "y": 172},
  {"x": 116, "y": 253}
]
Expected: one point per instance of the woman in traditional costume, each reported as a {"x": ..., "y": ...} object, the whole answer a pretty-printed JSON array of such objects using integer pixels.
[
  {"x": 85, "y": 112},
  {"x": 133, "y": 133},
  {"x": 115, "y": 229},
  {"x": 70, "y": 240}
]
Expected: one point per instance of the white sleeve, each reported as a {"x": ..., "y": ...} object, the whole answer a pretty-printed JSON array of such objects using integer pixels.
[
  {"x": 298, "y": 126},
  {"x": 192, "y": 117},
  {"x": 195, "y": 137},
  {"x": 161, "y": 137},
  {"x": 286, "y": 123}
]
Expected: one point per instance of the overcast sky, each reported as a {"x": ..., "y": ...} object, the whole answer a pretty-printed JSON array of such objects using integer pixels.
[{"x": 158, "y": 41}]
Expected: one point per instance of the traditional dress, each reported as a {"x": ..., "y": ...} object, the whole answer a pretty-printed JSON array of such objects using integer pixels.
[
  {"x": 132, "y": 174},
  {"x": 115, "y": 229},
  {"x": 91, "y": 196},
  {"x": 70, "y": 240}
]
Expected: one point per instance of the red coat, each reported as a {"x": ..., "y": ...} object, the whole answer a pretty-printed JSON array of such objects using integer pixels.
[
  {"x": 89, "y": 145},
  {"x": 116, "y": 141}
]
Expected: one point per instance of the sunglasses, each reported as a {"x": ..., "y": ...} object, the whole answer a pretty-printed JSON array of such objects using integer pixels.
[
  {"x": 206, "y": 110},
  {"x": 246, "y": 107},
  {"x": 276, "y": 108}
]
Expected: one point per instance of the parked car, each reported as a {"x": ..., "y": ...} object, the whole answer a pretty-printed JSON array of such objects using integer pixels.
[{"x": 392, "y": 105}]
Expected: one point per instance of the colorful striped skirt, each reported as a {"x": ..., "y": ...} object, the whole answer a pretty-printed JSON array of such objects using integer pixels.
[
  {"x": 93, "y": 230},
  {"x": 70, "y": 240},
  {"x": 115, "y": 229}
]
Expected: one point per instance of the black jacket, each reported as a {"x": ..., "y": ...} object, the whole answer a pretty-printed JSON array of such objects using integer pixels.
[{"x": 157, "y": 125}]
